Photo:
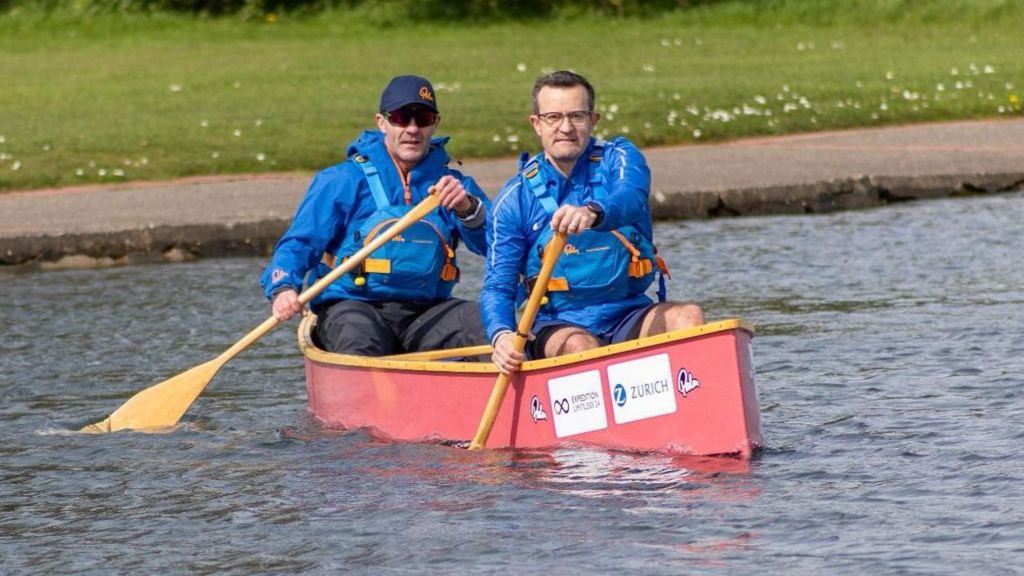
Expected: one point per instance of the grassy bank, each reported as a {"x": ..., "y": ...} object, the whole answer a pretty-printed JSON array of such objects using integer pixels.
[{"x": 128, "y": 97}]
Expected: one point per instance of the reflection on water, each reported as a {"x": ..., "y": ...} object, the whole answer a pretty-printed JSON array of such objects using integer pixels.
[
  {"x": 889, "y": 366},
  {"x": 598, "y": 474}
]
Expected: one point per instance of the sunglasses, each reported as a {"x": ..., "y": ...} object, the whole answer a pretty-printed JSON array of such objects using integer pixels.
[{"x": 402, "y": 117}]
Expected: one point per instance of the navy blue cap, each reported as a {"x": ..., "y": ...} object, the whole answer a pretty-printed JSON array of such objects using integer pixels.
[{"x": 406, "y": 90}]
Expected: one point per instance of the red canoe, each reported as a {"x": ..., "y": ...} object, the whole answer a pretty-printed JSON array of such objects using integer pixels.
[{"x": 687, "y": 392}]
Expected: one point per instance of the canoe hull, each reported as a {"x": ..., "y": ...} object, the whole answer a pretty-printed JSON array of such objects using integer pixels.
[{"x": 689, "y": 392}]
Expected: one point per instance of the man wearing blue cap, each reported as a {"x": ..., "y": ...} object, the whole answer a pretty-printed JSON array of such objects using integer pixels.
[{"x": 399, "y": 299}]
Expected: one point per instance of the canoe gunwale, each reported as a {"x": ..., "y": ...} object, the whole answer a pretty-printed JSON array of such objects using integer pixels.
[{"x": 316, "y": 354}]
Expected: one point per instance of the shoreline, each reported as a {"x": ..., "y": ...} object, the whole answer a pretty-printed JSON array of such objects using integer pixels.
[{"x": 244, "y": 215}]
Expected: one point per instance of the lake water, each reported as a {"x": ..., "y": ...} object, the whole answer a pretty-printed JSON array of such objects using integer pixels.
[{"x": 890, "y": 368}]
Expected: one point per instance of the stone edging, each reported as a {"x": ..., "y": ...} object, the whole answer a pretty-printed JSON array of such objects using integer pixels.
[{"x": 177, "y": 243}]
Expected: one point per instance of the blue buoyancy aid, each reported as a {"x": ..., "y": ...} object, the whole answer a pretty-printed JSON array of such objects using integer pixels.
[
  {"x": 351, "y": 201},
  {"x": 595, "y": 266},
  {"x": 418, "y": 264}
]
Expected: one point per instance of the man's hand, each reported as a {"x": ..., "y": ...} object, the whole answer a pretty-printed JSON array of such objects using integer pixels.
[
  {"x": 453, "y": 196},
  {"x": 286, "y": 305},
  {"x": 505, "y": 357},
  {"x": 570, "y": 219}
]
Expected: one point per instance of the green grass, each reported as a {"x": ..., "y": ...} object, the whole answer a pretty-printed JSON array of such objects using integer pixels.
[{"x": 129, "y": 97}]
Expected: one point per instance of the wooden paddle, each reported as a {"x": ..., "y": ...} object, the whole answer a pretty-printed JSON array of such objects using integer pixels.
[
  {"x": 164, "y": 403},
  {"x": 551, "y": 253}
]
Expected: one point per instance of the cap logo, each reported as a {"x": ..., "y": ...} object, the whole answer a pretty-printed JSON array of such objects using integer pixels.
[{"x": 426, "y": 95}]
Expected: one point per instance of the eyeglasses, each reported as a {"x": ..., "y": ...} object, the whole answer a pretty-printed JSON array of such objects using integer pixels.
[
  {"x": 402, "y": 117},
  {"x": 577, "y": 118}
]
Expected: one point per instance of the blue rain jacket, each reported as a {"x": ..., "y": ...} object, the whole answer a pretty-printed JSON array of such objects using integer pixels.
[
  {"x": 518, "y": 221},
  {"x": 337, "y": 212}
]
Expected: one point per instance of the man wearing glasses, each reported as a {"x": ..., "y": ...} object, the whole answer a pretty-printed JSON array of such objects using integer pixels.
[
  {"x": 399, "y": 299},
  {"x": 596, "y": 192}
]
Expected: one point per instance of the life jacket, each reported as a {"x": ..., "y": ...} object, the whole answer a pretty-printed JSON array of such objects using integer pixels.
[
  {"x": 595, "y": 267},
  {"x": 418, "y": 264}
]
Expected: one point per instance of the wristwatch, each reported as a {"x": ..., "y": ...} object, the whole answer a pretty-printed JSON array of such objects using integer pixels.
[
  {"x": 598, "y": 212},
  {"x": 474, "y": 204}
]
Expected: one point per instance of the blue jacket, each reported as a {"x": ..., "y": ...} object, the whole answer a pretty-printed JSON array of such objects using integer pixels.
[
  {"x": 339, "y": 203},
  {"x": 517, "y": 221}
]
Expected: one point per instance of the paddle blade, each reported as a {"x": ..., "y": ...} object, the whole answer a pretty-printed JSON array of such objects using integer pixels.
[{"x": 160, "y": 405}]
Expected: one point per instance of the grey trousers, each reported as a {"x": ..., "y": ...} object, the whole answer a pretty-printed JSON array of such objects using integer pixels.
[{"x": 385, "y": 328}]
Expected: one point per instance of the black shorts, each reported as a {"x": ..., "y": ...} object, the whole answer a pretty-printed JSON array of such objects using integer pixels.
[{"x": 386, "y": 328}]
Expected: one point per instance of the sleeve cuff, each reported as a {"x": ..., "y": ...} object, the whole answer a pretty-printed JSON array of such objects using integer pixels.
[
  {"x": 278, "y": 289},
  {"x": 476, "y": 217},
  {"x": 494, "y": 339}
]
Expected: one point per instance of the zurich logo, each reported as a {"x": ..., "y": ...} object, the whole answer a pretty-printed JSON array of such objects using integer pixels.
[
  {"x": 619, "y": 394},
  {"x": 537, "y": 410}
]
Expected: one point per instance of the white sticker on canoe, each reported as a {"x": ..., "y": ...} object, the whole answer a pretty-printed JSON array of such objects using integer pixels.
[
  {"x": 576, "y": 403},
  {"x": 641, "y": 388}
]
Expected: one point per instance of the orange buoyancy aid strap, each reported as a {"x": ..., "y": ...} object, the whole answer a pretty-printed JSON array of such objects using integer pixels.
[
  {"x": 554, "y": 284},
  {"x": 377, "y": 266},
  {"x": 449, "y": 271},
  {"x": 638, "y": 267},
  {"x": 662, "y": 267},
  {"x": 558, "y": 285},
  {"x": 369, "y": 265},
  {"x": 629, "y": 245}
]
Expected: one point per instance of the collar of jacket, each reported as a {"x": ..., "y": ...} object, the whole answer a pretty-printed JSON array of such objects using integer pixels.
[
  {"x": 371, "y": 144},
  {"x": 580, "y": 170}
]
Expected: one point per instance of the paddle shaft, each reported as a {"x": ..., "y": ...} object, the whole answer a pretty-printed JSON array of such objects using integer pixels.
[
  {"x": 410, "y": 218},
  {"x": 551, "y": 253}
]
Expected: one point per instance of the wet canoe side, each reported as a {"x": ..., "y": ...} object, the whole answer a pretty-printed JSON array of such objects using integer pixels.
[{"x": 690, "y": 391}]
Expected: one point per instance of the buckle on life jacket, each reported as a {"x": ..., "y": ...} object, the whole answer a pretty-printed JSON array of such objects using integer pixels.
[
  {"x": 640, "y": 268},
  {"x": 449, "y": 271}
]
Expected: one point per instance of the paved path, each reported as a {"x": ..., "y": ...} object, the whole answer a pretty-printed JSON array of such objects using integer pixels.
[{"x": 807, "y": 173}]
